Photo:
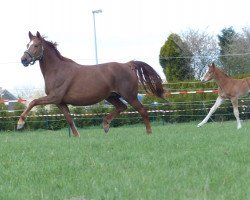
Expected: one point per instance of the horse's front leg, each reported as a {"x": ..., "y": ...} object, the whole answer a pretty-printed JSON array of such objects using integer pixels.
[
  {"x": 40, "y": 101},
  {"x": 64, "y": 108},
  {"x": 218, "y": 102}
]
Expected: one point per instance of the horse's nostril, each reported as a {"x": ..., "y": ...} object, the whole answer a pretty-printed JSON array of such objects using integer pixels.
[{"x": 24, "y": 61}]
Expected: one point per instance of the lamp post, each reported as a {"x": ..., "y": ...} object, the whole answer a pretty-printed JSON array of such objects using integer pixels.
[{"x": 95, "y": 12}]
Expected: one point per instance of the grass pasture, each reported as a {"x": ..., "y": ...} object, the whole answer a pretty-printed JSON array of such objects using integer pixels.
[{"x": 179, "y": 161}]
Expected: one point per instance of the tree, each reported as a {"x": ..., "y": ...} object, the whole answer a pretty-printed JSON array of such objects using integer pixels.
[
  {"x": 227, "y": 37},
  {"x": 175, "y": 59},
  {"x": 204, "y": 48},
  {"x": 29, "y": 92},
  {"x": 240, "y": 52}
]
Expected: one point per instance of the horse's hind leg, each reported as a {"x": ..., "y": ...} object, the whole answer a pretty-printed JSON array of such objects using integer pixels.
[
  {"x": 236, "y": 111},
  {"x": 136, "y": 104},
  {"x": 119, "y": 107},
  {"x": 64, "y": 108}
]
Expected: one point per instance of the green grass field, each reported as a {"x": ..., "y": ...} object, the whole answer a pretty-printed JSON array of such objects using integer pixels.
[{"x": 179, "y": 161}]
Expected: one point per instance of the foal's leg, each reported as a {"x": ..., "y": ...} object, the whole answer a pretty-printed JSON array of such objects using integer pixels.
[
  {"x": 119, "y": 107},
  {"x": 234, "y": 101},
  {"x": 218, "y": 102},
  {"x": 143, "y": 112},
  {"x": 40, "y": 101},
  {"x": 64, "y": 108}
]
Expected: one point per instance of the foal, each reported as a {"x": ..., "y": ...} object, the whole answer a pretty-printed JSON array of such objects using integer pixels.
[{"x": 228, "y": 88}]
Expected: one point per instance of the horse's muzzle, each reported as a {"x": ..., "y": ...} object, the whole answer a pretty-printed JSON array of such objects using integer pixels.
[{"x": 25, "y": 62}]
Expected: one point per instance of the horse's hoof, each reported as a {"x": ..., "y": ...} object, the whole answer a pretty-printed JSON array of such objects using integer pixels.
[
  {"x": 149, "y": 132},
  {"x": 76, "y": 136},
  {"x": 106, "y": 130},
  {"x": 105, "y": 127},
  {"x": 19, "y": 126}
]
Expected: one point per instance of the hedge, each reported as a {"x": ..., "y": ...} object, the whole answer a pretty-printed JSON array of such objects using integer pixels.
[{"x": 174, "y": 109}]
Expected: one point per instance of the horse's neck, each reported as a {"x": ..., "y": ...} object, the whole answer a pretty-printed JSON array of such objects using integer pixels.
[
  {"x": 222, "y": 79},
  {"x": 49, "y": 62}
]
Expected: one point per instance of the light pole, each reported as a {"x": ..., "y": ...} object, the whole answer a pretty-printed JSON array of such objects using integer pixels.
[{"x": 95, "y": 12}]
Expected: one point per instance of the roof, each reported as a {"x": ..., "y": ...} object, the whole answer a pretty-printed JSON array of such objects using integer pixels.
[{"x": 5, "y": 94}]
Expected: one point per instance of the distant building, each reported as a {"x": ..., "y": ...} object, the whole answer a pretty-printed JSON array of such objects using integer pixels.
[{"x": 6, "y": 95}]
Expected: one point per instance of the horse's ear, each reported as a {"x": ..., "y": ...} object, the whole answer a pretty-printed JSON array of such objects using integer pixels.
[
  {"x": 30, "y": 35},
  {"x": 213, "y": 65},
  {"x": 38, "y": 35}
]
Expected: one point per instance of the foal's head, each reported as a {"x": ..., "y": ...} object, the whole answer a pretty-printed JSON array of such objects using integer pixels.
[
  {"x": 34, "y": 50},
  {"x": 209, "y": 75}
]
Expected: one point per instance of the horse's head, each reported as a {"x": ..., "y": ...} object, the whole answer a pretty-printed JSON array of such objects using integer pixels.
[
  {"x": 34, "y": 50},
  {"x": 209, "y": 75}
]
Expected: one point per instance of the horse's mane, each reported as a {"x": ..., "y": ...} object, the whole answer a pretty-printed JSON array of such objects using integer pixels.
[
  {"x": 53, "y": 46},
  {"x": 222, "y": 72}
]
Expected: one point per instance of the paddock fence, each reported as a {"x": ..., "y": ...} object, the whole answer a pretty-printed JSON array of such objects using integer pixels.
[{"x": 185, "y": 102}]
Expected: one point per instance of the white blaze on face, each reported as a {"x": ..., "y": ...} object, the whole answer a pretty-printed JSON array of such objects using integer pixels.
[
  {"x": 202, "y": 79},
  {"x": 31, "y": 42}
]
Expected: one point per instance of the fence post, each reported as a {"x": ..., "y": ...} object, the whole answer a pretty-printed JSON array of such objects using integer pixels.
[
  {"x": 69, "y": 131},
  {"x": 47, "y": 121}
]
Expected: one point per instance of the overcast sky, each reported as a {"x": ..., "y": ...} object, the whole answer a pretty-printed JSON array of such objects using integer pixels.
[{"x": 126, "y": 30}]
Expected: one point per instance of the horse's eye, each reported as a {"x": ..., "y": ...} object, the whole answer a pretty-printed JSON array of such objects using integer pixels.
[{"x": 36, "y": 45}]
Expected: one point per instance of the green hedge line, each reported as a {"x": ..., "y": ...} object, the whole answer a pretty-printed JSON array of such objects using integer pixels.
[{"x": 176, "y": 108}]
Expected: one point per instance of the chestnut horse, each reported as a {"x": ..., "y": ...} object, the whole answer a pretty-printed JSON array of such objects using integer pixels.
[
  {"x": 228, "y": 88},
  {"x": 67, "y": 82}
]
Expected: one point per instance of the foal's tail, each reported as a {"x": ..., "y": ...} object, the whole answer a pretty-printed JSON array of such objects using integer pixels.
[{"x": 149, "y": 78}]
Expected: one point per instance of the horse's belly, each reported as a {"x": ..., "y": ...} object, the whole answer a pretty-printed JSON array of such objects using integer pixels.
[{"x": 83, "y": 99}]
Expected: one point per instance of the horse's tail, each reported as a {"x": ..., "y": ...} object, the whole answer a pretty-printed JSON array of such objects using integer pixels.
[{"x": 149, "y": 78}]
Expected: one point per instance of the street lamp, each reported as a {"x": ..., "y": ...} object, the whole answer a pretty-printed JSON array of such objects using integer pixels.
[{"x": 95, "y": 12}]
